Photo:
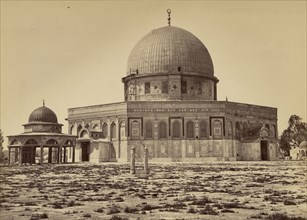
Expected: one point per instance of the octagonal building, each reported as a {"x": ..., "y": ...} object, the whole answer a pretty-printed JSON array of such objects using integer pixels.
[{"x": 171, "y": 107}]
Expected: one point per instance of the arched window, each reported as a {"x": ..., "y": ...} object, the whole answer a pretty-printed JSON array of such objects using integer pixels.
[
  {"x": 217, "y": 129},
  {"x": 203, "y": 130},
  {"x": 105, "y": 130},
  {"x": 79, "y": 129},
  {"x": 190, "y": 129},
  {"x": 71, "y": 130},
  {"x": 96, "y": 127},
  {"x": 176, "y": 129},
  {"x": 148, "y": 130},
  {"x": 135, "y": 130},
  {"x": 87, "y": 126},
  {"x": 122, "y": 129},
  {"x": 162, "y": 129},
  {"x": 238, "y": 129},
  {"x": 267, "y": 126},
  {"x": 113, "y": 131},
  {"x": 84, "y": 134}
]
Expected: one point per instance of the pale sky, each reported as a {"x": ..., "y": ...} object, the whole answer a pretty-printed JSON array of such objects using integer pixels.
[{"x": 74, "y": 53}]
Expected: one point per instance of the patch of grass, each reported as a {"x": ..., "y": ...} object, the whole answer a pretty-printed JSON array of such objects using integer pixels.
[
  {"x": 116, "y": 217},
  {"x": 231, "y": 205},
  {"x": 71, "y": 203},
  {"x": 282, "y": 216},
  {"x": 119, "y": 199},
  {"x": 130, "y": 209},
  {"x": 203, "y": 201},
  {"x": 99, "y": 210},
  {"x": 113, "y": 210},
  {"x": 147, "y": 207},
  {"x": 57, "y": 205},
  {"x": 208, "y": 210},
  {"x": 227, "y": 211},
  {"x": 289, "y": 202},
  {"x": 87, "y": 215},
  {"x": 29, "y": 203},
  {"x": 37, "y": 216},
  {"x": 191, "y": 210}
]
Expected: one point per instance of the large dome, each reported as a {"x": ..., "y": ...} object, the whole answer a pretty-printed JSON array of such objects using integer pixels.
[
  {"x": 170, "y": 50},
  {"x": 43, "y": 114}
]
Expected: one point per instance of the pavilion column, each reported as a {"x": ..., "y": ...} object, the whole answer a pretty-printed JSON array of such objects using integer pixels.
[
  {"x": 9, "y": 155},
  {"x": 42, "y": 155},
  {"x": 73, "y": 153},
  {"x": 16, "y": 154},
  {"x": 20, "y": 155},
  {"x": 64, "y": 159},
  {"x": 59, "y": 155},
  {"x": 30, "y": 155},
  {"x": 49, "y": 154},
  {"x": 33, "y": 153}
]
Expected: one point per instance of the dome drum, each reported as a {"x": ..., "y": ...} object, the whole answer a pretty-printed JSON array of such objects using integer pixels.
[{"x": 166, "y": 87}]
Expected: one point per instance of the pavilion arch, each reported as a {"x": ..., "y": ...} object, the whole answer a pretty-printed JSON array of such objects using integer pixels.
[
  {"x": 190, "y": 130},
  {"x": 267, "y": 126},
  {"x": 113, "y": 131},
  {"x": 104, "y": 128},
  {"x": 162, "y": 130},
  {"x": 31, "y": 141},
  {"x": 69, "y": 143},
  {"x": 52, "y": 141},
  {"x": 149, "y": 130},
  {"x": 203, "y": 130},
  {"x": 15, "y": 141}
]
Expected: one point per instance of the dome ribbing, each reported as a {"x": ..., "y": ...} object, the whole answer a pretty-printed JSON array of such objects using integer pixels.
[{"x": 167, "y": 50}]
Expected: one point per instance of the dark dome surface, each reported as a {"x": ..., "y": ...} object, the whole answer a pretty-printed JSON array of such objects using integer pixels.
[
  {"x": 165, "y": 49},
  {"x": 43, "y": 114}
]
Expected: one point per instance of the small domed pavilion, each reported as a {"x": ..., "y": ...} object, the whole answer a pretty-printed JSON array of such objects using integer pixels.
[{"x": 40, "y": 133}]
